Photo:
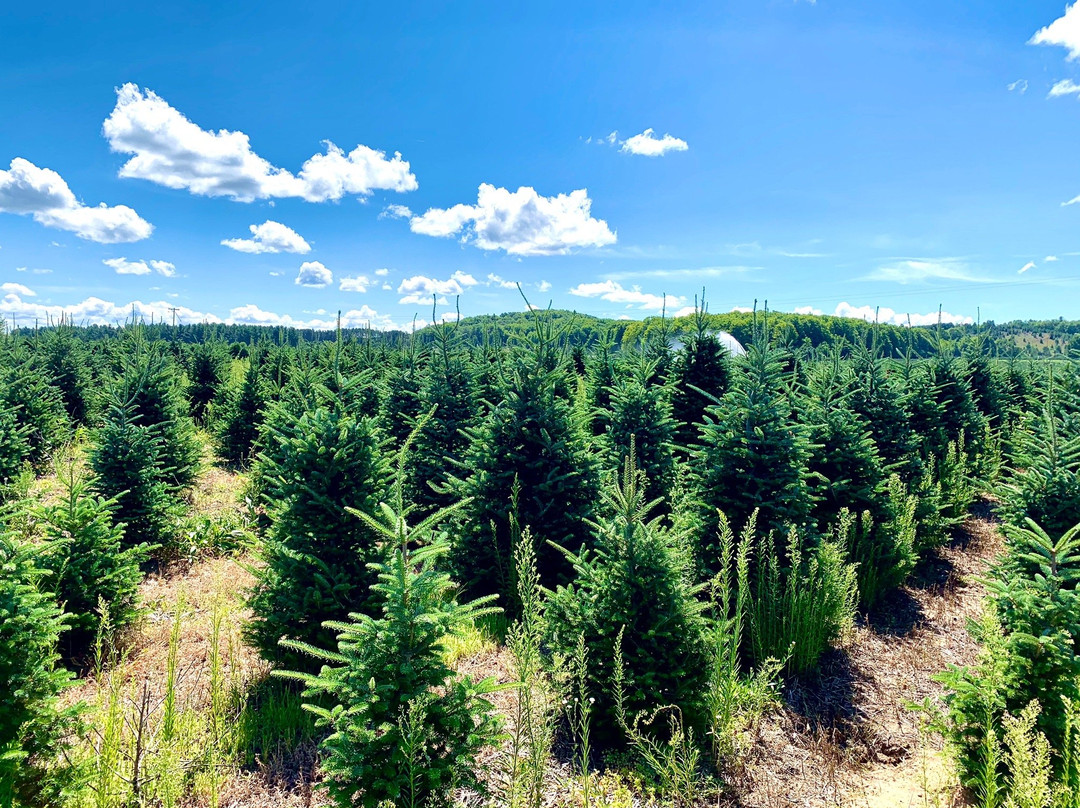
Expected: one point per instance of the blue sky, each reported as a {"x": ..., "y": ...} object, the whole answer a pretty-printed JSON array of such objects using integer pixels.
[{"x": 833, "y": 156}]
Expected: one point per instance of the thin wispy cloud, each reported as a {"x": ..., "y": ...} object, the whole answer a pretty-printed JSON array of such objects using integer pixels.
[
  {"x": 1019, "y": 86},
  {"x": 1030, "y": 265},
  {"x": 919, "y": 271}
]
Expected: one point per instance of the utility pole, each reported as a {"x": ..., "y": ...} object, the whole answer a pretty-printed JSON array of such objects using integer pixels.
[{"x": 174, "y": 310}]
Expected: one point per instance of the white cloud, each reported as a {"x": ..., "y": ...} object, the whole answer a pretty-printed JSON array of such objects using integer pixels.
[
  {"x": 17, "y": 289},
  {"x": 170, "y": 150},
  {"x": 1064, "y": 31},
  {"x": 521, "y": 222},
  {"x": 543, "y": 286},
  {"x": 495, "y": 280},
  {"x": 95, "y": 311},
  {"x": 396, "y": 212},
  {"x": 648, "y": 145},
  {"x": 363, "y": 317},
  {"x": 1064, "y": 87},
  {"x": 613, "y": 292},
  {"x": 387, "y": 287},
  {"x": 920, "y": 270},
  {"x": 1050, "y": 259},
  {"x": 382, "y": 272},
  {"x": 357, "y": 284},
  {"x": 743, "y": 309},
  {"x": 1018, "y": 86},
  {"x": 1026, "y": 267},
  {"x": 126, "y": 267},
  {"x": 270, "y": 237},
  {"x": 421, "y": 289},
  {"x": 43, "y": 194},
  {"x": 314, "y": 274},
  {"x": 887, "y": 315},
  {"x": 807, "y": 310}
]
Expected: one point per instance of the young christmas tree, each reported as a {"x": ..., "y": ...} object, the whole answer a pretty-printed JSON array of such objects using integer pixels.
[
  {"x": 702, "y": 375},
  {"x": 317, "y": 553},
  {"x": 1044, "y": 484},
  {"x": 207, "y": 371},
  {"x": 14, "y": 445},
  {"x": 637, "y": 582},
  {"x": 94, "y": 577},
  {"x": 640, "y": 425},
  {"x": 32, "y": 722},
  {"x": 877, "y": 397},
  {"x": 241, "y": 415},
  {"x": 405, "y": 729},
  {"x": 129, "y": 473},
  {"x": 37, "y": 404},
  {"x": 401, "y": 404},
  {"x": 752, "y": 457},
  {"x": 448, "y": 393},
  {"x": 67, "y": 363}
]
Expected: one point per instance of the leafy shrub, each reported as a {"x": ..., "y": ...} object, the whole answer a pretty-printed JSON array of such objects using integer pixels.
[
  {"x": 884, "y": 553},
  {"x": 404, "y": 728},
  {"x": 636, "y": 580},
  {"x": 32, "y": 722},
  {"x": 93, "y": 576},
  {"x": 317, "y": 553},
  {"x": 802, "y": 603}
]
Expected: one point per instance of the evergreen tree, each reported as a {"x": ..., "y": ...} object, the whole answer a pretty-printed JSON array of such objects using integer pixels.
[
  {"x": 529, "y": 440},
  {"x": 405, "y": 729},
  {"x": 32, "y": 723},
  {"x": 94, "y": 578},
  {"x": 637, "y": 583},
  {"x": 317, "y": 553},
  {"x": 877, "y": 398},
  {"x": 448, "y": 394},
  {"x": 207, "y": 373},
  {"x": 600, "y": 372},
  {"x": 129, "y": 474},
  {"x": 753, "y": 457},
  {"x": 241, "y": 415},
  {"x": 702, "y": 375},
  {"x": 148, "y": 387},
  {"x": 38, "y": 406},
  {"x": 67, "y": 363},
  {"x": 14, "y": 446},
  {"x": 1044, "y": 484},
  {"x": 401, "y": 403},
  {"x": 845, "y": 467},
  {"x": 640, "y": 425}
]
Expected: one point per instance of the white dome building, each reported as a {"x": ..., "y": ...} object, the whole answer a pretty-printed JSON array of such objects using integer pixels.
[{"x": 734, "y": 347}]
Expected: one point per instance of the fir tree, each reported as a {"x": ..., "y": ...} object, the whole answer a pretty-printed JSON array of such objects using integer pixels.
[
  {"x": 448, "y": 394},
  {"x": 405, "y": 729},
  {"x": 93, "y": 576},
  {"x": 702, "y": 376},
  {"x": 207, "y": 368},
  {"x": 531, "y": 440},
  {"x": 753, "y": 457},
  {"x": 317, "y": 553},
  {"x": 32, "y": 723},
  {"x": 37, "y": 405},
  {"x": 129, "y": 473},
  {"x": 401, "y": 404},
  {"x": 14, "y": 445},
  {"x": 641, "y": 426},
  {"x": 149, "y": 388},
  {"x": 1044, "y": 484},
  {"x": 67, "y": 363},
  {"x": 241, "y": 415},
  {"x": 876, "y": 397},
  {"x": 636, "y": 582}
]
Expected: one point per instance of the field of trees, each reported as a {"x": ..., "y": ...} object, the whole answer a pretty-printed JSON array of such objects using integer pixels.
[{"x": 541, "y": 560}]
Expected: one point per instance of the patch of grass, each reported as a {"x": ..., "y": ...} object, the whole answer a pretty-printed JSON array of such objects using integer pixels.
[{"x": 481, "y": 637}]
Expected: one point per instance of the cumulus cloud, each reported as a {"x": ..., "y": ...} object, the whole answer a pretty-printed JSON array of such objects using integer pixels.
[
  {"x": 909, "y": 271},
  {"x": 17, "y": 289},
  {"x": 125, "y": 267},
  {"x": 396, "y": 212},
  {"x": 495, "y": 280},
  {"x": 1064, "y": 32},
  {"x": 421, "y": 289},
  {"x": 543, "y": 286},
  {"x": 95, "y": 311},
  {"x": 521, "y": 222},
  {"x": 314, "y": 274},
  {"x": 1050, "y": 259},
  {"x": 269, "y": 237},
  {"x": 807, "y": 310},
  {"x": 613, "y": 292},
  {"x": 1064, "y": 87},
  {"x": 357, "y": 284},
  {"x": 363, "y": 317},
  {"x": 1026, "y": 267},
  {"x": 170, "y": 150},
  {"x": 382, "y": 272},
  {"x": 887, "y": 315},
  {"x": 43, "y": 194},
  {"x": 648, "y": 145}
]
